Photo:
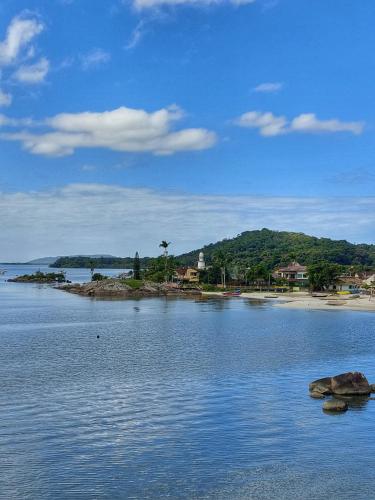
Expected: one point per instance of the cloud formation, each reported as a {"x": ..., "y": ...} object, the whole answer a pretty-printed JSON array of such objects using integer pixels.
[
  {"x": 5, "y": 99},
  {"x": 268, "y": 87},
  {"x": 95, "y": 218},
  {"x": 123, "y": 129},
  {"x": 17, "y": 54},
  {"x": 270, "y": 125},
  {"x": 21, "y": 31},
  {"x": 32, "y": 73},
  {"x": 95, "y": 58}
]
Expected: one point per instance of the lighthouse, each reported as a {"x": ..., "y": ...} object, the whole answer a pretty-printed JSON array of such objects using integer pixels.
[{"x": 201, "y": 262}]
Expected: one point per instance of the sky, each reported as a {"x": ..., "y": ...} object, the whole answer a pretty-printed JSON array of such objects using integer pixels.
[{"x": 127, "y": 122}]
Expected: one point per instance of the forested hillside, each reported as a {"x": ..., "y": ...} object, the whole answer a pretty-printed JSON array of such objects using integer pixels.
[{"x": 274, "y": 248}]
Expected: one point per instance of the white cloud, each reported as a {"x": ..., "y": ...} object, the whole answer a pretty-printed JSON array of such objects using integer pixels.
[
  {"x": 270, "y": 125},
  {"x": 5, "y": 99},
  {"x": 95, "y": 58},
  {"x": 149, "y": 4},
  {"x": 137, "y": 35},
  {"x": 123, "y": 129},
  {"x": 309, "y": 124},
  {"x": 33, "y": 73},
  {"x": 81, "y": 218},
  {"x": 269, "y": 87},
  {"x": 267, "y": 123},
  {"x": 20, "y": 33}
]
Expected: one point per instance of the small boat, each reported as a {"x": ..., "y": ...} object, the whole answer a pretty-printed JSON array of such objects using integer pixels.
[{"x": 233, "y": 293}]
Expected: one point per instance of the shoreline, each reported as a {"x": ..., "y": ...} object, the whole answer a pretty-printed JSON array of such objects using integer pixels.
[{"x": 305, "y": 301}]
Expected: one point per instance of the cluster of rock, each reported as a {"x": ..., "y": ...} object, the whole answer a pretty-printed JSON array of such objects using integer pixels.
[
  {"x": 115, "y": 288},
  {"x": 340, "y": 386}
]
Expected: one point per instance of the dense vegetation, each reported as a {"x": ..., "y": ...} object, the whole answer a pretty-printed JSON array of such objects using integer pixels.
[
  {"x": 98, "y": 263},
  {"x": 270, "y": 249}
]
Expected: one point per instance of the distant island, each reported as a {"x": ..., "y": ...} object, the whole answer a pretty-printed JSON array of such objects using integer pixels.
[{"x": 40, "y": 278}]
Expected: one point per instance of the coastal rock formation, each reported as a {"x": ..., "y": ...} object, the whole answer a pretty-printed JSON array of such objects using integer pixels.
[
  {"x": 346, "y": 384},
  {"x": 118, "y": 288},
  {"x": 335, "y": 405}
]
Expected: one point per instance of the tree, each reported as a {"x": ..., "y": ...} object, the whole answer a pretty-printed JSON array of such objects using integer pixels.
[
  {"x": 222, "y": 260},
  {"x": 323, "y": 274},
  {"x": 98, "y": 277},
  {"x": 158, "y": 271},
  {"x": 165, "y": 244},
  {"x": 136, "y": 267}
]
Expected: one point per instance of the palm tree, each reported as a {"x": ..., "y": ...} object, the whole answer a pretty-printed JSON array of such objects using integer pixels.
[
  {"x": 222, "y": 260},
  {"x": 165, "y": 244}
]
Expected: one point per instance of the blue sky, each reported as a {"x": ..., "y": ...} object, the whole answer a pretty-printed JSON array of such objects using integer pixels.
[{"x": 126, "y": 122}]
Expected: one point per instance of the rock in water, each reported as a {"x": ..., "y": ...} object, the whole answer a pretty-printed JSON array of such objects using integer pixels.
[
  {"x": 349, "y": 384},
  {"x": 321, "y": 386},
  {"x": 372, "y": 387},
  {"x": 335, "y": 405},
  {"x": 316, "y": 395}
]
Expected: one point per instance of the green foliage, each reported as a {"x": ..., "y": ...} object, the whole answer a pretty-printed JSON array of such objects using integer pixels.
[
  {"x": 323, "y": 274},
  {"x": 210, "y": 288},
  {"x": 40, "y": 277},
  {"x": 133, "y": 283},
  {"x": 159, "y": 269},
  {"x": 277, "y": 248},
  {"x": 98, "y": 277},
  {"x": 98, "y": 263},
  {"x": 137, "y": 267}
]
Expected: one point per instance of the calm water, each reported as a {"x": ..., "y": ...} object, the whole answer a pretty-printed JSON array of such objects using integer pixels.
[{"x": 177, "y": 399}]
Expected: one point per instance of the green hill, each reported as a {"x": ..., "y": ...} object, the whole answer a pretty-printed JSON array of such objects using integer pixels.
[{"x": 274, "y": 248}]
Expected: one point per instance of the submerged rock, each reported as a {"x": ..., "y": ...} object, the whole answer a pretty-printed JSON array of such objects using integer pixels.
[
  {"x": 316, "y": 395},
  {"x": 335, "y": 405}
]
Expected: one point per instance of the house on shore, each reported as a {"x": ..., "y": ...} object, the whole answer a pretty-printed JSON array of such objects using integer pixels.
[
  {"x": 187, "y": 274},
  {"x": 295, "y": 274},
  {"x": 347, "y": 284}
]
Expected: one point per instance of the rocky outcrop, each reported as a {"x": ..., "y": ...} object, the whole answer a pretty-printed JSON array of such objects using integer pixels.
[
  {"x": 335, "y": 405},
  {"x": 352, "y": 383},
  {"x": 346, "y": 384},
  {"x": 118, "y": 288}
]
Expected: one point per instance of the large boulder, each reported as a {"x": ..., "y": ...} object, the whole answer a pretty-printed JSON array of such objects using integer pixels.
[
  {"x": 335, "y": 405},
  {"x": 352, "y": 383},
  {"x": 346, "y": 384},
  {"x": 321, "y": 386}
]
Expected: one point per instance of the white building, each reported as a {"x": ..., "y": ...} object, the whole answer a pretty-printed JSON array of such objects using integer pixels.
[{"x": 201, "y": 262}]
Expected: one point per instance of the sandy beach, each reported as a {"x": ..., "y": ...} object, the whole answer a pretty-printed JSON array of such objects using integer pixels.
[{"x": 306, "y": 301}]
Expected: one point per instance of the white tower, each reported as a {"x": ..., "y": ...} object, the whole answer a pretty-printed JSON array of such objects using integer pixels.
[{"x": 201, "y": 262}]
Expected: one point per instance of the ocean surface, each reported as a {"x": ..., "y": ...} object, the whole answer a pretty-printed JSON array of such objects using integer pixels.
[{"x": 177, "y": 398}]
